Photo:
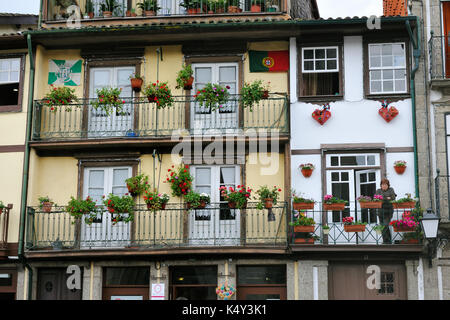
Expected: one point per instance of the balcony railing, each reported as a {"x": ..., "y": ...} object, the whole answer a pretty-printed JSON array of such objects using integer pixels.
[
  {"x": 216, "y": 225},
  {"x": 169, "y": 8},
  {"x": 439, "y": 50},
  {"x": 442, "y": 192},
  {"x": 141, "y": 118},
  {"x": 4, "y": 226},
  {"x": 338, "y": 236}
]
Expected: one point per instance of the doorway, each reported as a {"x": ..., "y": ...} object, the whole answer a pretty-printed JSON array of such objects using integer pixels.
[
  {"x": 264, "y": 282},
  {"x": 193, "y": 283}
]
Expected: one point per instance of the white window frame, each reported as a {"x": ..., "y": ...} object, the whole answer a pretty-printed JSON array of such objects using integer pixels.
[
  {"x": 376, "y": 155},
  {"x": 393, "y": 68},
  {"x": 8, "y": 81},
  {"x": 325, "y": 59}
]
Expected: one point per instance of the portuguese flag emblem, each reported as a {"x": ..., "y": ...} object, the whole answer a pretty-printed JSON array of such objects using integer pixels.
[{"x": 269, "y": 61}]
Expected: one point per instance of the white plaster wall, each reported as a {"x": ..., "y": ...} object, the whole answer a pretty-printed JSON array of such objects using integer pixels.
[
  {"x": 402, "y": 183},
  {"x": 353, "y": 72},
  {"x": 308, "y": 187}
]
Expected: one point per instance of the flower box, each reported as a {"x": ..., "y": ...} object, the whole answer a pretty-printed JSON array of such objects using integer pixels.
[
  {"x": 202, "y": 205},
  {"x": 333, "y": 206},
  {"x": 404, "y": 205},
  {"x": 304, "y": 229},
  {"x": 303, "y": 206},
  {"x": 370, "y": 204},
  {"x": 410, "y": 241},
  {"x": 304, "y": 240},
  {"x": 355, "y": 228},
  {"x": 404, "y": 229}
]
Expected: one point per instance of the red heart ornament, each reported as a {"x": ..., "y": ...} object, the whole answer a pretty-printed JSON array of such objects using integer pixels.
[
  {"x": 388, "y": 114},
  {"x": 321, "y": 116}
]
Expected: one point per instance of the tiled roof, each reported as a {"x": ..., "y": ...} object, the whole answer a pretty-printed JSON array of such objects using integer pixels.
[{"x": 394, "y": 8}]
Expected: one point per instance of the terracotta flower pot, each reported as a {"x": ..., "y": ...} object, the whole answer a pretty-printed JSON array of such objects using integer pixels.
[
  {"x": 303, "y": 206},
  {"x": 304, "y": 229},
  {"x": 91, "y": 15},
  {"x": 136, "y": 84},
  {"x": 193, "y": 10},
  {"x": 47, "y": 207},
  {"x": 355, "y": 228},
  {"x": 233, "y": 9},
  {"x": 149, "y": 13},
  {"x": 255, "y": 8},
  {"x": 370, "y": 204},
  {"x": 334, "y": 206},
  {"x": 304, "y": 241},
  {"x": 151, "y": 98},
  {"x": 188, "y": 83},
  {"x": 163, "y": 206},
  {"x": 410, "y": 241},
  {"x": 404, "y": 205},
  {"x": 107, "y": 14},
  {"x": 232, "y": 205},
  {"x": 307, "y": 172},
  {"x": 400, "y": 169},
  {"x": 403, "y": 229},
  {"x": 265, "y": 94},
  {"x": 268, "y": 203}
]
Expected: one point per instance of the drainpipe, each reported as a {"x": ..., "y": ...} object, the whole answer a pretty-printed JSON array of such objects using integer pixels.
[
  {"x": 26, "y": 165},
  {"x": 416, "y": 55},
  {"x": 40, "y": 15}
]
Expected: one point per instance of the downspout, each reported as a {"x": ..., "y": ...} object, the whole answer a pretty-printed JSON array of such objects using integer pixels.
[
  {"x": 40, "y": 15},
  {"x": 26, "y": 165},
  {"x": 416, "y": 55}
]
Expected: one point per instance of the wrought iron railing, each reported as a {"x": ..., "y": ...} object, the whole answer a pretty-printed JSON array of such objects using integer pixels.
[
  {"x": 169, "y": 8},
  {"x": 141, "y": 118},
  {"x": 438, "y": 49},
  {"x": 442, "y": 191},
  {"x": 4, "y": 226},
  {"x": 337, "y": 235},
  {"x": 216, "y": 225}
]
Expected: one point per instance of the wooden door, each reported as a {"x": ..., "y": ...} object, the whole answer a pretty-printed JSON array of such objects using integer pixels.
[{"x": 52, "y": 285}]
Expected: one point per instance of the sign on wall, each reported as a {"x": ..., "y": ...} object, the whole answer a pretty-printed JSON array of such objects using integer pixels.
[
  {"x": 65, "y": 72},
  {"x": 157, "y": 291}
]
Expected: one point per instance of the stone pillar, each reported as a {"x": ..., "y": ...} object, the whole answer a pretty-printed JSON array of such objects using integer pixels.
[
  {"x": 159, "y": 274},
  {"x": 313, "y": 280}
]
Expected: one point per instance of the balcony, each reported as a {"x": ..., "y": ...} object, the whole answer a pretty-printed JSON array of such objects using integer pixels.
[
  {"x": 172, "y": 228},
  {"x": 439, "y": 57},
  {"x": 142, "y": 119},
  {"x": 338, "y": 236},
  {"x": 60, "y": 12},
  {"x": 4, "y": 225}
]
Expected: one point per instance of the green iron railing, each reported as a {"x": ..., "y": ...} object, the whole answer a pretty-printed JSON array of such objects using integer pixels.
[
  {"x": 216, "y": 225},
  {"x": 141, "y": 118}
]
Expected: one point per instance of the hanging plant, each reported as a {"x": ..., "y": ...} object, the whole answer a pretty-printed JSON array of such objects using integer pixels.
[
  {"x": 121, "y": 208},
  {"x": 109, "y": 99},
  {"x": 156, "y": 201},
  {"x": 387, "y": 113},
  {"x": 307, "y": 169},
  {"x": 79, "y": 208},
  {"x": 137, "y": 185},
  {"x": 400, "y": 166},
  {"x": 136, "y": 82},
  {"x": 60, "y": 96},
  {"x": 180, "y": 180},
  {"x": 267, "y": 197},
  {"x": 252, "y": 93},
  {"x": 185, "y": 77},
  {"x": 212, "y": 96},
  {"x": 159, "y": 93},
  {"x": 322, "y": 116}
]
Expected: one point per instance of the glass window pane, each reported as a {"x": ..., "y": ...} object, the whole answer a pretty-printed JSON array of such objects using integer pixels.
[
  {"x": 203, "y": 75},
  {"x": 227, "y": 176},
  {"x": 399, "y": 61},
  {"x": 388, "y": 86},
  {"x": 123, "y": 77},
  {"x": 127, "y": 276},
  {"x": 320, "y": 53},
  {"x": 360, "y": 160},
  {"x": 363, "y": 177},
  {"x": 203, "y": 176},
  {"x": 375, "y": 62},
  {"x": 400, "y": 74},
  {"x": 371, "y": 160},
  {"x": 375, "y": 75},
  {"x": 374, "y": 50},
  {"x": 386, "y": 49},
  {"x": 261, "y": 275},
  {"x": 335, "y": 176},
  {"x": 341, "y": 190},
  {"x": 388, "y": 74},
  {"x": 119, "y": 177},
  {"x": 96, "y": 178},
  {"x": 14, "y": 76},
  {"x": 331, "y": 53},
  {"x": 331, "y": 64},
  {"x": 4, "y": 76},
  {"x": 195, "y": 275},
  {"x": 334, "y": 161},
  {"x": 320, "y": 65},
  {"x": 308, "y": 65},
  {"x": 4, "y": 64},
  {"x": 227, "y": 74},
  {"x": 15, "y": 64},
  {"x": 387, "y": 61},
  {"x": 400, "y": 85},
  {"x": 375, "y": 86},
  {"x": 348, "y": 161},
  {"x": 344, "y": 176},
  {"x": 308, "y": 54},
  {"x": 5, "y": 279},
  {"x": 102, "y": 78},
  {"x": 372, "y": 176},
  {"x": 398, "y": 49}
]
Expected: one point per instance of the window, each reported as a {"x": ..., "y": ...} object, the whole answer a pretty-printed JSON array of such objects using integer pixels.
[
  {"x": 387, "y": 68},
  {"x": 9, "y": 81},
  {"x": 320, "y": 72}
]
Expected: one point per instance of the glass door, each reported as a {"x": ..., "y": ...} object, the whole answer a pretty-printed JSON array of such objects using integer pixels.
[
  {"x": 115, "y": 123},
  {"x": 225, "y": 118},
  {"x": 102, "y": 232}
]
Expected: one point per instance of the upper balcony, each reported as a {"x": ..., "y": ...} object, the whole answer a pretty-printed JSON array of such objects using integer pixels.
[
  {"x": 143, "y": 120},
  {"x": 136, "y": 11},
  {"x": 4, "y": 226},
  {"x": 439, "y": 57}
]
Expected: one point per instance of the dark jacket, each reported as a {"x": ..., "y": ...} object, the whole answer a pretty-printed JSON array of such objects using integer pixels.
[{"x": 388, "y": 193}]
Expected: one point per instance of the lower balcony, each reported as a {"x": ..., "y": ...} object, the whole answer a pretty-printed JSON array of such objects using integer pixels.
[
  {"x": 4, "y": 226},
  {"x": 174, "y": 227}
]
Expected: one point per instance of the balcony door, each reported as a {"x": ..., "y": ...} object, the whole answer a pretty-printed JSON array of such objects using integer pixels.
[
  {"x": 102, "y": 124},
  {"x": 216, "y": 224},
  {"x": 224, "y": 119},
  {"x": 102, "y": 232}
]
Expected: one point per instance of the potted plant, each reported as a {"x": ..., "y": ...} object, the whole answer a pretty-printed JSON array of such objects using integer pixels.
[
  {"x": 156, "y": 201},
  {"x": 307, "y": 169},
  {"x": 150, "y": 7},
  {"x": 326, "y": 229},
  {"x": 60, "y": 96},
  {"x": 406, "y": 224},
  {"x": 378, "y": 229},
  {"x": 303, "y": 224},
  {"x": 89, "y": 9},
  {"x": 300, "y": 203},
  {"x": 366, "y": 202},
  {"x": 180, "y": 180},
  {"x": 252, "y": 93},
  {"x": 267, "y": 197},
  {"x": 45, "y": 204},
  {"x": 212, "y": 96},
  {"x": 237, "y": 198},
  {"x": 191, "y": 6},
  {"x": 2, "y": 206},
  {"x": 307, "y": 239},
  {"x": 332, "y": 203},
  {"x": 185, "y": 77},
  {"x": 350, "y": 226},
  {"x": 136, "y": 82},
  {"x": 272, "y": 5},
  {"x": 108, "y": 7},
  {"x": 195, "y": 200},
  {"x": 404, "y": 203},
  {"x": 400, "y": 166},
  {"x": 412, "y": 237},
  {"x": 79, "y": 208},
  {"x": 256, "y": 5},
  {"x": 233, "y": 6},
  {"x": 160, "y": 93},
  {"x": 108, "y": 100},
  {"x": 137, "y": 185},
  {"x": 220, "y": 6},
  {"x": 121, "y": 208}
]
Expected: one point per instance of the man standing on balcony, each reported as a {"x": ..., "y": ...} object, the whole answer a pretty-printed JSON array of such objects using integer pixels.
[{"x": 387, "y": 210}]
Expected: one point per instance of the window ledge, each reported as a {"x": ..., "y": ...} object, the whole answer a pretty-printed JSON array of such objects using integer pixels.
[
  {"x": 321, "y": 99},
  {"x": 389, "y": 96},
  {"x": 11, "y": 108}
]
